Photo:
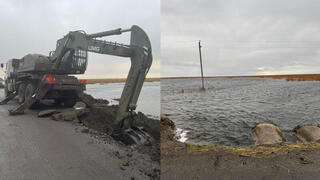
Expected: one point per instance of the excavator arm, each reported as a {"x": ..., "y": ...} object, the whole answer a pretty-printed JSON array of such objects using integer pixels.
[{"x": 139, "y": 51}]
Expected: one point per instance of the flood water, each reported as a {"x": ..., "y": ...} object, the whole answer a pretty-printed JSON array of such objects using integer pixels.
[
  {"x": 226, "y": 113},
  {"x": 149, "y": 99}
]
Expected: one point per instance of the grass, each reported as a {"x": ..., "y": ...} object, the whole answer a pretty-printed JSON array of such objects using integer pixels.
[
  {"x": 288, "y": 77},
  {"x": 256, "y": 151}
]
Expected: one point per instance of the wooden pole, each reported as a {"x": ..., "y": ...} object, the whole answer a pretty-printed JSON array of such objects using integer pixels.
[{"x": 201, "y": 64}]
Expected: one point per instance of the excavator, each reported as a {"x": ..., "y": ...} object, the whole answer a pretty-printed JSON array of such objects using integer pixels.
[{"x": 35, "y": 77}]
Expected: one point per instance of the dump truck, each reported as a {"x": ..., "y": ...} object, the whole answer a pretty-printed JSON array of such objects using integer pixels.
[{"x": 35, "y": 77}]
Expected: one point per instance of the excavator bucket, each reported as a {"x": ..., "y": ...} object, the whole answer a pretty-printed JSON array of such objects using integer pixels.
[{"x": 141, "y": 61}]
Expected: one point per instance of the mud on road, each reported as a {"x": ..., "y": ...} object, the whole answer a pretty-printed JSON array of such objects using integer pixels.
[
  {"x": 188, "y": 161},
  {"x": 42, "y": 148}
]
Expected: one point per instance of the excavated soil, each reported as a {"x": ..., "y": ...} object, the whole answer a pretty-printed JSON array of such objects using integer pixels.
[
  {"x": 97, "y": 121},
  {"x": 101, "y": 117},
  {"x": 282, "y": 161}
]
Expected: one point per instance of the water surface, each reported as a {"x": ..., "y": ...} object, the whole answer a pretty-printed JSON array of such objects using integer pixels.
[
  {"x": 226, "y": 113},
  {"x": 148, "y": 102}
]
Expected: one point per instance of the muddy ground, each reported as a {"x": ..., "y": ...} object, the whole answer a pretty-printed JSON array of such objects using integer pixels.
[
  {"x": 187, "y": 161},
  {"x": 48, "y": 148}
]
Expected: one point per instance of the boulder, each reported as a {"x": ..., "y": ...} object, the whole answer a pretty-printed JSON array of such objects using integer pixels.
[
  {"x": 264, "y": 134},
  {"x": 48, "y": 112},
  {"x": 69, "y": 115},
  {"x": 307, "y": 133}
]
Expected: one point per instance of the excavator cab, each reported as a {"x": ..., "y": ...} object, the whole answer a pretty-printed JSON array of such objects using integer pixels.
[{"x": 74, "y": 62}]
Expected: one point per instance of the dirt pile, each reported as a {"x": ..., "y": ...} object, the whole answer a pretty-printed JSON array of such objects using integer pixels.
[
  {"x": 90, "y": 100},
  {"x": 167, "y": 128},
  {"x": 100, "y": 117}
]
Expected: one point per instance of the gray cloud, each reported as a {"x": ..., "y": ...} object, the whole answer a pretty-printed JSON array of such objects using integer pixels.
[
  {"x": 33, "y": 26},
  {"x": 240, "y": 37}
]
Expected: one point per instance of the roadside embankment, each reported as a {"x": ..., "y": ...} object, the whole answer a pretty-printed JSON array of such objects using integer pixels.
[{"x": 278, "y": 161}]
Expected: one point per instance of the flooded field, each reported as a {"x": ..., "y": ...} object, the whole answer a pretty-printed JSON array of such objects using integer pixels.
[
  {"x": 226, "y": 113},
  {"x": 148, "y": 103}
]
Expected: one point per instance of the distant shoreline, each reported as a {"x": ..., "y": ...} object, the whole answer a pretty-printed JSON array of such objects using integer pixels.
[
  {"x": 288, "y": 77},
  {"x": 116, "y": 80}
]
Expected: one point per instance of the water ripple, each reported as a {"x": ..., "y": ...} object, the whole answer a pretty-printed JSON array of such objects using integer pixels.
[{"x": 225, "y": 114}]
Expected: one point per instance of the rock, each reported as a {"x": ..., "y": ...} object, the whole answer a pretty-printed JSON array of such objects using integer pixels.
[
  {"x": 69, "y": 115},
  {"x": 125, "y": 163},
  {"x": 265, "y": 133},
  {"x": 307, "y": 133},
  {"x": 48, "y": 112}
]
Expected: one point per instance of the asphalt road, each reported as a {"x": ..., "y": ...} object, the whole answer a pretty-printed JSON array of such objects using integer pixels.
[{"x": 40, "y": 148}]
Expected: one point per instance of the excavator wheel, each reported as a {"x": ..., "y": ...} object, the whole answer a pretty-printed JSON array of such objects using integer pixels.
[
  {"x": 21, "y": 93},
  {"x": 69, "y": 102},
  {"x": 30, "y": 89},
  {"x": 6, "y": 91}
]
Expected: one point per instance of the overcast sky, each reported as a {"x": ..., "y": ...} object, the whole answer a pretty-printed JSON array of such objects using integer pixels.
[
  {"x": 240, "y": 37},
  {"x": 34, "y": 26}
]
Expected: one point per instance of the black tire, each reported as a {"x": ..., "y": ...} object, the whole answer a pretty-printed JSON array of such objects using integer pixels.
[
  {"x": 29, "y": 91},
  {"x": 69, "y": 102},
  {"x": 21, "y": 92},
  {"x": 30, "y": 88},
  {"x": 6, "y": 91},
  {"x": 35, "y": 105},
  {"x": 58, "y": 101}
]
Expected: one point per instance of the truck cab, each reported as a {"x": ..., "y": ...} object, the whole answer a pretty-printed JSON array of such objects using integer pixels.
[{"x": 9, "y": 77}]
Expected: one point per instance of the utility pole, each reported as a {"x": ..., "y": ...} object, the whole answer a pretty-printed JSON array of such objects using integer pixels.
[{"x": 201, "y": 64}]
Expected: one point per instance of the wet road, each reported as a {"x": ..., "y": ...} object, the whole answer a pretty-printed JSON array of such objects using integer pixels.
[{"x": 40, "y": 148}]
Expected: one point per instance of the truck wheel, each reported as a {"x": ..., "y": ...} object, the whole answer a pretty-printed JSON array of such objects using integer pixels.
[
  {"x": 69, "y": 102},
  {"x": 21, "y": 93},
  {"x": 6, "y": 91},
  {"x": 29, "y": 91},
  {"x": 58, "y": 101}
]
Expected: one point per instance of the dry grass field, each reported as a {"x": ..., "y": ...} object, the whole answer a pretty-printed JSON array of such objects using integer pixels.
[
  {"x": 288, "y": 77},
  {"x": 116, "y": 80}
]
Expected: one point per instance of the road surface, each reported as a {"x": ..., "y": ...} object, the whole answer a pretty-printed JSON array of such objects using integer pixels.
[{"x": 40, "y": 148}]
